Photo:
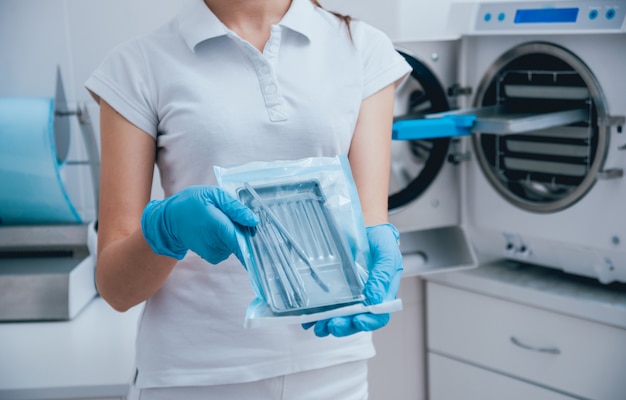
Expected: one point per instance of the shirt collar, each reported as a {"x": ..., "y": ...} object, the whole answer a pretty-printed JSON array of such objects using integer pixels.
[{"x": 197, "y": 22}]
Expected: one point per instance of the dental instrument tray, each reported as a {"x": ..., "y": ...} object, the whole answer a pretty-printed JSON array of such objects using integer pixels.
[{"x": 300, "y": 258}]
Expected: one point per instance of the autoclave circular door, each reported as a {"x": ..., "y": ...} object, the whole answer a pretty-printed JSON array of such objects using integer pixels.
[
  {"x": 416, "y": 163},
  {"x": 543, "y": 170}
]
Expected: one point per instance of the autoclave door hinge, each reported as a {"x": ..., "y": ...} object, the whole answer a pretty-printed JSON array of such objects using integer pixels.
[
  {"x": 617, "y": 121},
  {"x": 457, "y": 154}
]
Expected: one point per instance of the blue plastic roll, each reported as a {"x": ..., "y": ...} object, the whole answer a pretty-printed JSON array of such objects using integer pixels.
[{"x": 31, "y": 188}]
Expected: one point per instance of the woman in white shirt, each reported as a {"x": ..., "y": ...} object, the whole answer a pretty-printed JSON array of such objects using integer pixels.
[{"x": 225, "y": 83}]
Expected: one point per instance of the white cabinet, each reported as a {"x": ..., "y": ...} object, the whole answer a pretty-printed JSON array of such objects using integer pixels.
[
  {"x": 398, "y": 370},
  {"x": 518, "y": 339},
  {"x": 451, "y": 379}
]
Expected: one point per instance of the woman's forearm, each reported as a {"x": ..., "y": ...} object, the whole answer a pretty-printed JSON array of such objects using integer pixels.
[{"x": 129, "y": 272}]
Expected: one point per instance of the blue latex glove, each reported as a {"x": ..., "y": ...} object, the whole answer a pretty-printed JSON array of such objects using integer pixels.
[
  {"x": 199, "y": 218},
  {"x": 382, "y": 284}
]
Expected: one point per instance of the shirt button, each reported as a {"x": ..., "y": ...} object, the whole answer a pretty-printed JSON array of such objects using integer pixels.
[
  {"x": 270, "y": 89},
  {"x": 265, "y": 69},
  {"x": 273, "y": 48}
]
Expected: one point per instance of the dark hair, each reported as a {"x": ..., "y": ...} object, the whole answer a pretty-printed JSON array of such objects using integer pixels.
[{"x": 344, "y": 18}]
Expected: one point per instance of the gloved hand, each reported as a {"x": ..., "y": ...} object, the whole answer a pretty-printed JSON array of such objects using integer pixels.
[
  {"x": 198, "y": 218},
  {"x": 382, "y": 284}
]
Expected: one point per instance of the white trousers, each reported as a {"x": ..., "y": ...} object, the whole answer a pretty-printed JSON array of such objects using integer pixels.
[{"x": 345, "y": 382}]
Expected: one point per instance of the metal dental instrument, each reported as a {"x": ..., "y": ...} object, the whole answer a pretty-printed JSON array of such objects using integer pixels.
[
  {"x": 283, "y": 231},
  {"x": 293, "y": 277},
  {"x": 287, "y": 292}
]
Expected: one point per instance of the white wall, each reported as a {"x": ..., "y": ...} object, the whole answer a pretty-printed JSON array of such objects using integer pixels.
[
  {"x": 400, "y": 19},
  {"x": 36, "y": 36}
]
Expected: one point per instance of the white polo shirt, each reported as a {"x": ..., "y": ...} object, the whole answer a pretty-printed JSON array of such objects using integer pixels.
[{"x": 210, "y": 98}]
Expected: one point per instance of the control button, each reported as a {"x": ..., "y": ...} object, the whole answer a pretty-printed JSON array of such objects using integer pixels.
[
  {"x": 524, "y": 251},
  {"x": 593, "y": 14},
  {"x": 487, "y": 17},
  {"x": 610, "y": 13},
  {"x": 510, "y": 247},
  {"x": 501, "y": 17},
  {"x": 615, "y": 240}
]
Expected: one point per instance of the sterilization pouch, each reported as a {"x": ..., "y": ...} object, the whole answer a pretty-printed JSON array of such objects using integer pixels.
[{"x": 307, "y": 258}]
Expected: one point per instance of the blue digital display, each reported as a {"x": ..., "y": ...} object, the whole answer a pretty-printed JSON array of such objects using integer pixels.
[{"x": 546, "y": 16}]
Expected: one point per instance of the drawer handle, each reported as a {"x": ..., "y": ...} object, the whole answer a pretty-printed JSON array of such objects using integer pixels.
[{"x": 551, "y": 350}]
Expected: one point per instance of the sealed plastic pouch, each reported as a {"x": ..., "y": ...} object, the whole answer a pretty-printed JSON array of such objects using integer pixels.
[{"x": 307, "y": 258}]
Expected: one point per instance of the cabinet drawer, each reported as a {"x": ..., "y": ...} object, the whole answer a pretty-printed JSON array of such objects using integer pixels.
[
  {"x": 454, "y": 380},
  {"x": 568, "y": 354}
]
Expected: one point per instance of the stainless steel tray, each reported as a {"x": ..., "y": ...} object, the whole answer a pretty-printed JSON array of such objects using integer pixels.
[
  {"x": 499, "y": 120},
  {"x": 301, "y": 259}
]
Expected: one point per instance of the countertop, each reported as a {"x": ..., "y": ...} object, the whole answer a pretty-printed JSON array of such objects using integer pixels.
[
  {"x": 545, "y": 288},
  {"x": 90, "y": 356}
]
